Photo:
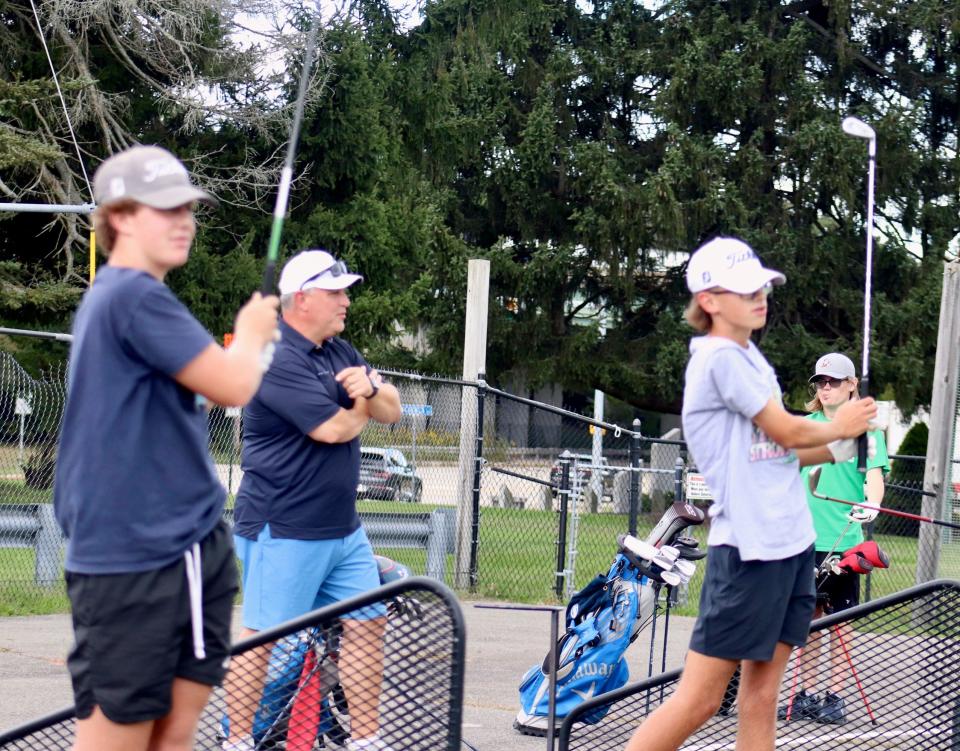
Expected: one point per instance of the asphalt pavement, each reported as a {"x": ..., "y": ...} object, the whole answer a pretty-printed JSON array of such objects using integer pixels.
[{"x": 501, "y": 646}]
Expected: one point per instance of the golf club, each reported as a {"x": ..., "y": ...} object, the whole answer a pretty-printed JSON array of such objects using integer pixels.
[
  {"x": 286, "y": 174},
  {"x": 855, "y": 127},
  {"x": 649, "y": 560},
  {"x": 815, "y": 475},
  {"x": 677, "y": 518},
  {"x": 826, "y": 560}
]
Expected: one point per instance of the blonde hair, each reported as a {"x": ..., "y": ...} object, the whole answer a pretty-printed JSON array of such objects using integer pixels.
[
  {"x": 106, "y": 235},
  {"x": 815, "y": 405},
  {"x": 697, "y": 317}
]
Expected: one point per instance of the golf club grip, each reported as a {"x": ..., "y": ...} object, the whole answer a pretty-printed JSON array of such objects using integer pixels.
[
  {"x": 269, "y": 278},
  {"x": 862, "y": 440}
]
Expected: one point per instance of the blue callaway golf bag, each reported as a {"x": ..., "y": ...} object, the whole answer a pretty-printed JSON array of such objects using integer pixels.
[
  {"x": 605, "y": 617},
  {"x": 602, "y": 620}
]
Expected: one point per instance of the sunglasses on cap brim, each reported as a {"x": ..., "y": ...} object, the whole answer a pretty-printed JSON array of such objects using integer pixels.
[{"x": 339, "y": 268}]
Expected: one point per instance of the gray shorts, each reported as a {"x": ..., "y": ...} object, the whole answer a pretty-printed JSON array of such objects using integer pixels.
[{"x": 746, "y": 607}]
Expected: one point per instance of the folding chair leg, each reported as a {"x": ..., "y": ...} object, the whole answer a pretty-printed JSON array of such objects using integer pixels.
[{"x": 853, "y": 670}]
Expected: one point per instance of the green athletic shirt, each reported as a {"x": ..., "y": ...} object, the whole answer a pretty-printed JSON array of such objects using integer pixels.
[{"x": 840, "y": 481}]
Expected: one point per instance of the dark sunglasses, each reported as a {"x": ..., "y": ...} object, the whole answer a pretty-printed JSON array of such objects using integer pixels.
[
  {"x": 339, "y": 268},
  {"x": 821, "y": 383},
  {"x": 756, "y": 296}
]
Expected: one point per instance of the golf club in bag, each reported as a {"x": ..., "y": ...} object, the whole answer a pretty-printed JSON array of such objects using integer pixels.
[
  {"x": 605, "y": 617},
  {"x": 303, "y": 706}
]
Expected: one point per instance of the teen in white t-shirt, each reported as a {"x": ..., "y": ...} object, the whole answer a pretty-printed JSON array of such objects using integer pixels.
[{"x": 758, "y": 593}]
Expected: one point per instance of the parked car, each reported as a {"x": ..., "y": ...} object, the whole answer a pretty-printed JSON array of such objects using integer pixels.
[
  {"x": 584, "y": 469},
  {"x": 386, "y": 474}
]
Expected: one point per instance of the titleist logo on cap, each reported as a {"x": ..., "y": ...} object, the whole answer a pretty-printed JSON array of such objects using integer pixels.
[
  {"x": 156, "y": 168},
  {"x": 734, "y": 258}
]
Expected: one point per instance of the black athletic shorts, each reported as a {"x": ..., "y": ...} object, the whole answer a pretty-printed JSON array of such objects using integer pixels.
[
  {"x": 747, "y": 607},
  {"x": 836, "y": 592},
  {"x": 133, "y": 633}
]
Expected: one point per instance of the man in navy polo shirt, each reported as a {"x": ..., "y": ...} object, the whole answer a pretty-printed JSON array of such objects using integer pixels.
[{"x": 297, "y": 531}]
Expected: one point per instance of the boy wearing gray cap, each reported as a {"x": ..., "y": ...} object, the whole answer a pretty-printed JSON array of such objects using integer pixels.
[
  {"x": 150, "y": 567},
  {"x": 749, "y": 449}
]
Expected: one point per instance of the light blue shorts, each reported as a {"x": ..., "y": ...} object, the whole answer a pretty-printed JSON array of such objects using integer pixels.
[{"x": 283, "y": 579}]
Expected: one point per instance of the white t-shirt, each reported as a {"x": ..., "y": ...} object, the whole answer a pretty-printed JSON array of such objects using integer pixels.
[{"x": 759, "y": 505}]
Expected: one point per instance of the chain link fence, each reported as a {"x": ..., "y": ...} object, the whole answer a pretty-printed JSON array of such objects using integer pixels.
[
  {"x": 495, "y": 494},
  {"x": 556, "y": 490},
  {"x": 30, "y": 542}
]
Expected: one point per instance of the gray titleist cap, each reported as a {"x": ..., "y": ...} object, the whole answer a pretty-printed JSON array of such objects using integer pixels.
[
  {"x": 149, "y": 175},
  {"x": 834, "y": 365}
]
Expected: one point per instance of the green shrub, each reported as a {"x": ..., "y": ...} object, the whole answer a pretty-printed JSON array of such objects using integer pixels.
[{"x": 906, "y": 474}]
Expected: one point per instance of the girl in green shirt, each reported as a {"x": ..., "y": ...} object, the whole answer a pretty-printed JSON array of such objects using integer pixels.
[{"x": 834, "y": 383}]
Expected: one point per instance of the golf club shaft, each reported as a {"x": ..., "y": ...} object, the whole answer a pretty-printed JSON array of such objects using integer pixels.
[
  {"x": 867, "y": 295},
  {"x": 286, "y": 175},
  {"x": 889, "y": 511}
]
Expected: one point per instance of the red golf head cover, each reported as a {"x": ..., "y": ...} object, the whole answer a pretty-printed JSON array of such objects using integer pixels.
[
  {"x": 871, "y": 551},
  {"x": 855, "y": 564}
]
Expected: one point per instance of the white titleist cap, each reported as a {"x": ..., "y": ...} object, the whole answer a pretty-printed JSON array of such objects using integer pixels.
[{"x": 729, "y": 264}]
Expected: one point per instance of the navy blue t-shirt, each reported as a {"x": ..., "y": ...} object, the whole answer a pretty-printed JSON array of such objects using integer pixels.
[
  {"x": 302, "y": 488},
  {"x": 135, "y": 486}
]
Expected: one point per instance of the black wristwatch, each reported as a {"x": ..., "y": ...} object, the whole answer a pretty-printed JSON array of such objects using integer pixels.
[{"x": 373, "y": 384}]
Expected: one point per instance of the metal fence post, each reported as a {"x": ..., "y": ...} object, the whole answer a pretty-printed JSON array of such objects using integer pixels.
[
  {"x": 564, "y": 494},
  {"x": 678, "y": 480},
  {"x": 477, "y": 472},
  {"x": 48, "y": 546},
  {"x": 437, "y": 545},
  {"x": 634, "y": 477},
  {"x": 938, "y": 468}
]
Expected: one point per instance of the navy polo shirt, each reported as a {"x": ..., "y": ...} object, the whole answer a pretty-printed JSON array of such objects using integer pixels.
[
  {"x": 304, "y": 489},
  {"x": 135, "y": 486}
]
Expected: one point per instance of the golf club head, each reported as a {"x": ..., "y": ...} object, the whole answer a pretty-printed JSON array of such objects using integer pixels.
[
  {"x": 689, "y": 549},
  {"x": 634, "y": 547},
  {"x": 872, "y": 552},
  {"x": 663, "y": 564},
  {"x": 854, "y": 126},
  {"x": 674, "y": 520},
  {"x": 669, "y": 553},
  {"x": 828, "y": 565},
  {"x": 813, "y": 479},
  {"x": 686, "y": 569},
  {"x": 641, "y": 556},
  {"x": 671, "y": 578}
]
